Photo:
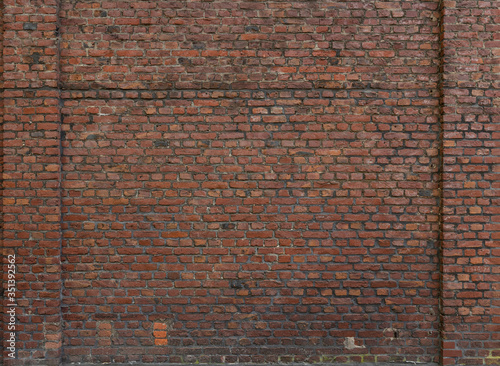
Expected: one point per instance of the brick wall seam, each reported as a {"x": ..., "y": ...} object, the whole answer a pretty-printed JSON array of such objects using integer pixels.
[
  {"x": 1, "y": 182},
  {"x": 61, "y": 135},
  {"x": 441, "y": 172}
]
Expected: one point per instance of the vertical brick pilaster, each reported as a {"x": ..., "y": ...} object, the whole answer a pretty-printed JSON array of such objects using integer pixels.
[
  {"x": 471, "y": 95},
  {"x": 31, "y": 176}
]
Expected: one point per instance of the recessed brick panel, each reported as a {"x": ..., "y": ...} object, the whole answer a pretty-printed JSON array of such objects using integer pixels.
[{"x": 251, "y": 220}]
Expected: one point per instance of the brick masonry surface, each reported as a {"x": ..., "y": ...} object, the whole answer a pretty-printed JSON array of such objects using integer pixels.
[{"x": 252, "y": 181}]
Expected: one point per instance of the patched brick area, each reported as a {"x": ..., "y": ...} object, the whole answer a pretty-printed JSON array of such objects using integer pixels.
[{"x": 252, "y": 182}]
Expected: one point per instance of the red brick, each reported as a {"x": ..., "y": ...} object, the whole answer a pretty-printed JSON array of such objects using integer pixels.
[{"x": 261, "y": 176}]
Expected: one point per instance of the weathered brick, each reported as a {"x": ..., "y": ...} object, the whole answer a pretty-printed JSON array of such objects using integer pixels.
[{"x": 252, "y": 182}]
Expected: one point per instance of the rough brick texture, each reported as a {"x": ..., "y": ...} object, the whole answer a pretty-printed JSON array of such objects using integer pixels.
[
  {"x": 471, "y": 157},
  {"x": 31, "y": 175},
  {"x": 247, "y": 181}
]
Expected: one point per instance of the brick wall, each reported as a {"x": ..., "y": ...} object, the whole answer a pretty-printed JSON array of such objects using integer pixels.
[
  {"x": 31, "y": 176},
  {"x": 264, "y": 182},
  {"x": 471, "y": 249}
]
